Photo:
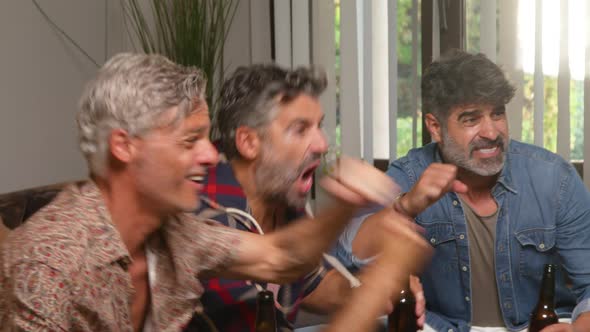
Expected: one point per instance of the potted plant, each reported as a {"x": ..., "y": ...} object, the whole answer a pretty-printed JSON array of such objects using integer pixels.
[{"x": 189, "y": 32}]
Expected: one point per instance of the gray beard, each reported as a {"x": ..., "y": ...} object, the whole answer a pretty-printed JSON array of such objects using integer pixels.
[
  {"x": 274, "y": 181},
  {"x": 452, "y": 153}
]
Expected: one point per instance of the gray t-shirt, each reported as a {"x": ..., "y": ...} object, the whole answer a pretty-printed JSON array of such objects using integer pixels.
[{"x": 481, "y": 232}]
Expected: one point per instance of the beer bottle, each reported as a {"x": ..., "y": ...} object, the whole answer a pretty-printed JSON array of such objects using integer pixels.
[
  {"x": 544, "y": 313},
  {"x": 266, "y": 320},
  {"x": 403, "y": 318}
]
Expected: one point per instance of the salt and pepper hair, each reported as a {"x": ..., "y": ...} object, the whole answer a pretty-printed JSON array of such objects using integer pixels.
[
  {"x": 132, "y": 92},
  {"x": 459, "y": 78},
  {"x": 252, "y": 95}
]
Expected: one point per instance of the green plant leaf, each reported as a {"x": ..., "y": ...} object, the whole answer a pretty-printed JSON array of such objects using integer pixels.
[{"x": 189, "y": 32}]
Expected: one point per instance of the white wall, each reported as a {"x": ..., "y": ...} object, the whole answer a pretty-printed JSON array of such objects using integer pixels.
[
  {"x": 248, "y": 40},
  {"x": 42, "y": 76}
]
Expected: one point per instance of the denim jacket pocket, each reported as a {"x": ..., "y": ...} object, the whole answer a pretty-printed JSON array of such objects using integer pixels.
[
  {"x": 439, "y": 233},
  {"x": 537, "y": 245},
  {"x": 442, "y": 237}
]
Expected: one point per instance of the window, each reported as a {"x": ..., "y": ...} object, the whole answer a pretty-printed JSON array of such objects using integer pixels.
[{"x": 553, "y": 50}]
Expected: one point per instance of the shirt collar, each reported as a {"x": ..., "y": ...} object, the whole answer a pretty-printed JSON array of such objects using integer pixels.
[
  {"x": 222, "y": 187},
  {"x": 505, "y": 178},
  {"x": 107, "y": 242}
]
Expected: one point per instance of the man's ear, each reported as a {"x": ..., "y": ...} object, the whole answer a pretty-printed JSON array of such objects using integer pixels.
[
  {"x": 247, "y": 142},
  {"x": 120, "y": 145},
  {"x": 433, "y": 126}
]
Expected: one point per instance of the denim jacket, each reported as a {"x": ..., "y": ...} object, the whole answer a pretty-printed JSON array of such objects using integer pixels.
[{"x": 543, "y": 217}]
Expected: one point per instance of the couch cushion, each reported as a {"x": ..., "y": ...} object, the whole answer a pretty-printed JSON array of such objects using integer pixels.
[{"x": 18, "y": 206}]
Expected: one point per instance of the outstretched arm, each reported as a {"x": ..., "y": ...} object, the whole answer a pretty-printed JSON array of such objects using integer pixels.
[
  {"x": 384, "y": 279},
  {"x": 285, "y": 255},
  {"x": 335, "y": 290},
  {"x": 435, "y": 182}
]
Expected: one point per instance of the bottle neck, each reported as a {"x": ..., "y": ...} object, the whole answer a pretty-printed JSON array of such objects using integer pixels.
[
  {"x": 547, "y": 293},
  {"x": 265, "y": 313},
  {"x": 406, "y": 293}
]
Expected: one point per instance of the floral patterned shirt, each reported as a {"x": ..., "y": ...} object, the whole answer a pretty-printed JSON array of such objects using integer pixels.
[{"x": 66, "y": 269}]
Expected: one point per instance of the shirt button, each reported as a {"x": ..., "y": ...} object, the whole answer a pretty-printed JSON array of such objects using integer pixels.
[
  {"x": 507, "y": 305},
  {"x": 433, "y": 240},
  {"x": 467, "y": 298},
  {"x": 464, "y": 268},
  {"x": 542, "y": 246},
  {"x": 455, "y": 202},
  {"x": 462, "y": 236}
]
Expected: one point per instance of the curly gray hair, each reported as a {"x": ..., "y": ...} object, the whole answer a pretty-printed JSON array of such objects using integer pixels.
[
  {"x": 249, "y": 98},
  {"x": 459, "y": 78},
  {"x": 132, "y": 92}
]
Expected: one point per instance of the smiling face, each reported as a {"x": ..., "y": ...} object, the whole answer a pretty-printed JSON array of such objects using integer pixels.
[
  {"x": 170, "y": 162},
  {"x": 292, "y": 146},
  {"x": 475, "y": 138}
]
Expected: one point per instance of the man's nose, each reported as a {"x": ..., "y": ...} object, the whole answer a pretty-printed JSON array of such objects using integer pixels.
[
  {"x": 208, "y": 155},
  {"x": 319, "y": 143},
  {"x": 488, "y": 129}
]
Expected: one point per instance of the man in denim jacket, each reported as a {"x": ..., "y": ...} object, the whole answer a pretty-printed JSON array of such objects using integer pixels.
[{"x": 523, "y": 207}]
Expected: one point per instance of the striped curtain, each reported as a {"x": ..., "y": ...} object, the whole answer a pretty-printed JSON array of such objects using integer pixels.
[
  {"x": 361, "y": 102},
  {"x": 372, "y": 105},
  {"x": 544, "y": 46},
  {"x": 356, "y": 42}
]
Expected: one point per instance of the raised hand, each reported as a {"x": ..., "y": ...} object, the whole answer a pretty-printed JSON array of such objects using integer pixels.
[
  {"x": 359, "y": 183},
  {"x": 437, "y": 180}
]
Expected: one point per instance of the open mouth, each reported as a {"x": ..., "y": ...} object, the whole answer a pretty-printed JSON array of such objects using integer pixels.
[
  {"x": 487, "y": 147},
  {"x": 306, "y": 178},
  {"x": 487, "y": 151},
  {"x": 198, "y": 179}
]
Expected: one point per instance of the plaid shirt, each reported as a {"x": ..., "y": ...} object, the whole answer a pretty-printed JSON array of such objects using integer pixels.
[{"x": 231, "y": 304}]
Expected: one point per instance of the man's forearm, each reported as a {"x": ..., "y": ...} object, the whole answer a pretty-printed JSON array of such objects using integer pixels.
[
  {"x": 365, "y": 242},
  {"x": 329, "y": 295},
  {"x": 289, "y": 253},
  {"x": 582, "y": 323},
  {"x": 384, "y": 279},
  {"x": 368, "y": 301},
  {"x": 306, "y": 240}
]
